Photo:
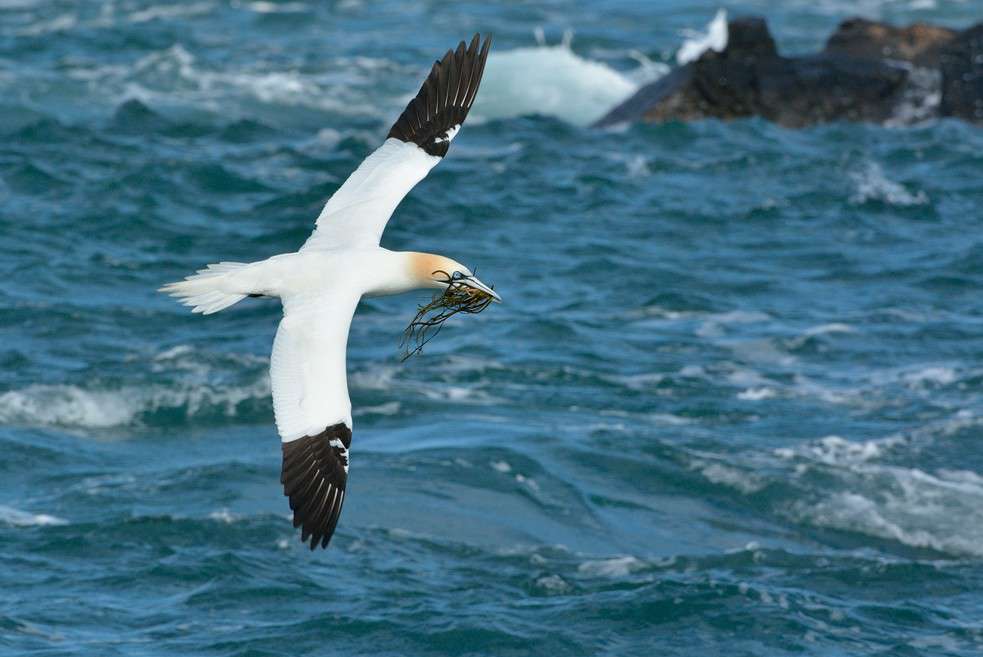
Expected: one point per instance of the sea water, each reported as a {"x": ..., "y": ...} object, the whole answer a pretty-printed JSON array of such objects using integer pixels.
[{"x": 732, "y": 404}]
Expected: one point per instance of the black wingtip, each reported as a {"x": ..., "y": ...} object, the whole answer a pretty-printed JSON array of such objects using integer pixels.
[
  {"x": 314, "y": 478},
  {"x": 445, "y": 98}
]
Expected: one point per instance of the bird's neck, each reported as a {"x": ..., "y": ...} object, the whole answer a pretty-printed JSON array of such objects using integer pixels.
[{"x": 395, "y": 272}]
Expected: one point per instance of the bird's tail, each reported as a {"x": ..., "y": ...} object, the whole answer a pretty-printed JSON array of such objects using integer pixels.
[{"x": 211, "y": 289}]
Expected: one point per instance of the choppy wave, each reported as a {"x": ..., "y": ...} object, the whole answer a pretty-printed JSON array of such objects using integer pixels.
[
  {"x": 17, "y": 518},
  {"x": 873, "y": 185},
  {"x": 697, "y": 43},
  {"x": 550, "y": 81},
  {"x": 860, "y": 487},
  {"x": 736, "y": 397},
  {"x": 199, "y": 388},
  {"x": 74, "y": 406}
]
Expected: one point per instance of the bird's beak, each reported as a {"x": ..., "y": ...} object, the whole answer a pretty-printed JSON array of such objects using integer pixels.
[{"x": 475, "y": 283}]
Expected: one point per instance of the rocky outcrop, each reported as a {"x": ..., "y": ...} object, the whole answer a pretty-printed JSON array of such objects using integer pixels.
[
  {"x": 918, "y": 44},
  {"x": 961, "y": 62},
  {"x": 867, "y": 72}
]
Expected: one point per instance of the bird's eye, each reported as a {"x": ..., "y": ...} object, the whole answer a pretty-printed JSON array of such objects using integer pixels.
[{"x": 457, "y": 276}]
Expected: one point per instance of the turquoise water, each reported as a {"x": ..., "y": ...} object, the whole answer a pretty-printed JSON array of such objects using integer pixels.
[{"x": 731, "y": 406}]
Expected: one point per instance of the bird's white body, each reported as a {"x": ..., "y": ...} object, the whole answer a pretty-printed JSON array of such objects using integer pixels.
[
  {"x": 319, "y": 289},
  {"x": 321, "y": 284},
  {"x": 301, "y": 276}
]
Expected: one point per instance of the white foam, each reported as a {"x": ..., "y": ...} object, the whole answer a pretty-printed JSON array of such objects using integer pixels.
[
  {"x": 388, "y": 408},
  {"x": 61, "y": 23},
  {"x": 806, "y": 387},
  {"x": 528, "y": 481},
  {"x": 725, "y": 475},
  {"x": 641, "y": 381},
  {"x": 873, "y": 185},
  {"x": 263, "y": 7},
  {"x": 17, "y": 518},
  {"x": 921, "y": 97},
  {"x": 836, "y": 450},
  {"x": 380, "y": 377},
  {"x": 941, "y": 510},
  {"x": 911, "y": 507},
  {"x": 174, "y": 76},
  {"x": 697, "y": 43},
  {"x": 57, "y": 405},
  {"x": 551, "y": 81},
  {"x": 223, "y": 515},
  {"x": 756, "y": 394},
  {"x": 938, "y": 375},
  {"x": 824, "y": 329},
  {"x": 552, "y": 584},
  {"x": 72, "y": 406},
  {"x": 195, "y": 390},
  {"x": 615, "y": 567},
  {"x": 156, "y": 12}
]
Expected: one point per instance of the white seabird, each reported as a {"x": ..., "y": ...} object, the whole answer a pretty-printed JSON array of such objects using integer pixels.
[{"x": 321, "y": 284}]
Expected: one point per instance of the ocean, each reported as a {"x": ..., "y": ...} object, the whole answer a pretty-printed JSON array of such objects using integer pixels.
[{"x": 732, "y": 404}]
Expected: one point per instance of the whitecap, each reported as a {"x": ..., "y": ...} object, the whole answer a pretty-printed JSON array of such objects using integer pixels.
[
  {"x": 697, "y": 43},
  {"x": 380, "y": 377},
  {"x": 174, "y": 76},
  {"x": 836, "y": 450},
  {"x": 388, "y": 408},
  {"x": 156, "y": 12},
  {"x": 551, "y": 81},
  {"x": 17, "y": 518},
  {"x": 198, "y": 388},
  {"x": 528, "y": 481},
  {"x": 552, "y": 584},
  {"x": 614, "y": 567},
  {"x": 74, "y": 406},
  {"x": 872, "y": 185},
  {"x": 919, "y": 510},
  {"x": 824, "y": 329},
  {"x": 725, "y": 475},
  {"x": 756, "y": 394},
  {"x": 938, "y": 375},
  {"x": 223, "y": 515},
  {"x": 61, "y": 23},
  {"x": 66, "y": 405},
  {"x": 264, "y": 7},
  {"x": 942, "y": 511},
  {"x": 921, "y": 97}
]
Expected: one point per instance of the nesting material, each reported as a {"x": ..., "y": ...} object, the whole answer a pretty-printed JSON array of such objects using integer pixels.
[{"x": 457, "y": 297}]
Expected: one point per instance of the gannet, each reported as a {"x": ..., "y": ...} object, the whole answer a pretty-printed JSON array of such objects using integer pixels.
[{"x": 320, "y": 285}]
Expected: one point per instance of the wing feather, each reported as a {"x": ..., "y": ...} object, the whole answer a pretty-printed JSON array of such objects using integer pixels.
[
  {"x": 358, "y": 211},
  {"x": 313, "y": 412},
  {"x": 316, "y": 488}
]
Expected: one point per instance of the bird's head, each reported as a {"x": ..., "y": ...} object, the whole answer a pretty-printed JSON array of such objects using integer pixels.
[
  {"x": 442, "y": 273},
  {"x": 460, "y": 292}
]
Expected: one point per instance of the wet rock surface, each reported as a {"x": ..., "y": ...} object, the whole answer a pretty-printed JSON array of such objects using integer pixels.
[
  {"x": 919, "y": 43},
  {"x": 961, "y": 63},
  {"x": 867, "y": 72}
]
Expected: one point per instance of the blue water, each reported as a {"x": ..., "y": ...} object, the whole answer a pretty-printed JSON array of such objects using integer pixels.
[{"x": 733, "y": 404}]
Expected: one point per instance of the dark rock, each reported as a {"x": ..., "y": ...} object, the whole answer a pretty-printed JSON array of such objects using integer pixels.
[
  {"x": 802, "y": 91},
  {"x": 918, "y": 43},
  {"x": 749, "y": 37},
  {"x": 867, "y": 72},
  {"x": 750, "y": 78},
  {"x": 961, "y": 62}
]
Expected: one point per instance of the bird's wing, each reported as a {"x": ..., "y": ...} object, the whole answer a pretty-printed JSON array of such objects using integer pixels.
[
  {"x": 313, "y": 412},
  {"x": 357, "y": 213}
]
